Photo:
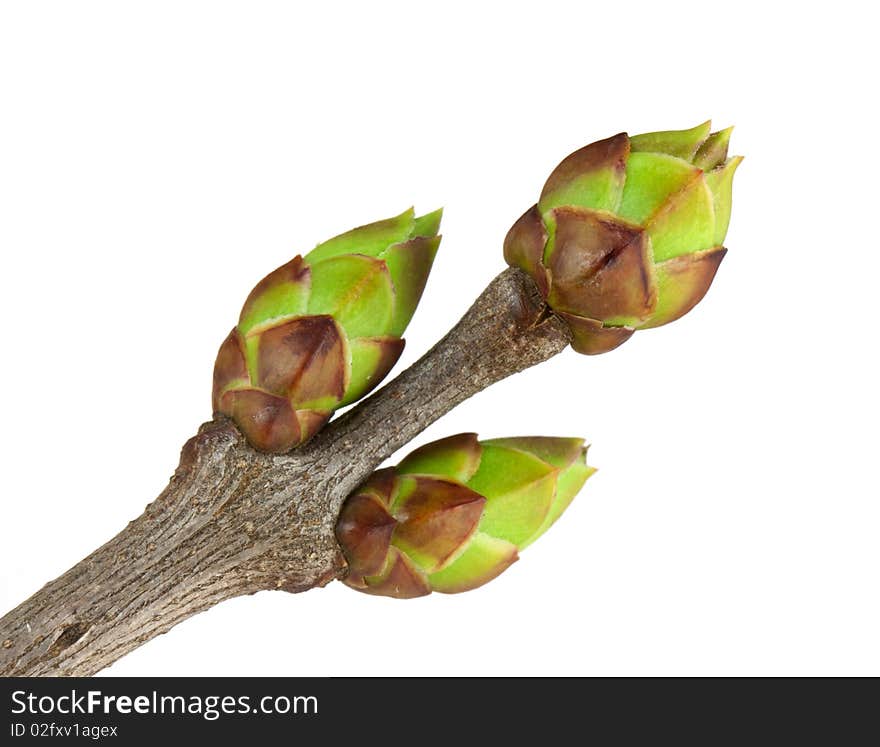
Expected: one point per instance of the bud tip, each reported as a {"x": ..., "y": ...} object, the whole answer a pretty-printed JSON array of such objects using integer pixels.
[{"x": 429, "y": 224}]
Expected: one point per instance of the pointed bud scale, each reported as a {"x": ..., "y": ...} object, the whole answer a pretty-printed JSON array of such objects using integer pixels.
[
  {"x": 679, "y": 143},
  {"x": 557, "y": 452},
  {"x": 598, "y": 267},
  {"x": 282, "y": 294},
  {"x": 435, "y": 519},
  {"x": 356, "y": 291},
  {"x": 628, "y": 232},
  {"x": 264, "y": 418},
  {"x": 400, "y": 578},
  {"x": 366, "y": 527},
  {"x": 685, "y": 223},
  {"x": 651, "y": 180},
  {"x": 371, "y": 360},
  {"x": 408, "y": 265},
  {"x": 562, "y": 453},
  {"x": 720, "y": 181},
  {"x": 230, "y": 369},
  {"x": 593, "y": 175},
  {"x": 591, "y": 337},
  {"x": 322, "y": 330},
  {"x": 370, "y": 240},
  {"x": 455, "y": 513},
  {"x": 713, "y": 152},
  {"x": 519, "y": 487},
  {"x": 455, "y": 457},
  {"x": 524, "y": 247},
  {"x": 484, "y": 558},
  {"x": 682, "y": 282},
  {"x": 303, "y": 360},
  {"x": 428, "y": 224}
]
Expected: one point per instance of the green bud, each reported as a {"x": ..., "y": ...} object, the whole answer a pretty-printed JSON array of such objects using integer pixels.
[
  {"x": 455, "y": 513},
  {"x": 322, "y": 330},
  {"x": 628, "y": 232}
]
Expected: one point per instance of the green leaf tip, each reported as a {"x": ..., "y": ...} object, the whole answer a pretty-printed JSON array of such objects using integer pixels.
[
  {"x": 428, "y": 224},
  {"x": 713, "y": 152},
  {"x": 679, "y": 143}
]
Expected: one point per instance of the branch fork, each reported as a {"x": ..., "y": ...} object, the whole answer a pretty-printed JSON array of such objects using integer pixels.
[{"x": 235, "y": 521}]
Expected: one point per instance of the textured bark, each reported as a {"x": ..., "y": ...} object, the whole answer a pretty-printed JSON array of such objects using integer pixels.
[{"x": 235, "y": 521}]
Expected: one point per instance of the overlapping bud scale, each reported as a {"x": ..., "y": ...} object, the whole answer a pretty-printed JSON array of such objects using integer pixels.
[
  {"x": 322, "y": 330},
  {"x": 454, "y": 514},
  {"x": 628, "y": 232}
]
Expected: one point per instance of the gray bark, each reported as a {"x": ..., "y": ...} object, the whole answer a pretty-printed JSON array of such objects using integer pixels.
[{"x": 235, "y": 521}]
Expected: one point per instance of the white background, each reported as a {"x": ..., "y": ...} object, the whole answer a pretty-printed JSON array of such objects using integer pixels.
[{"x": 157, "y": 159}]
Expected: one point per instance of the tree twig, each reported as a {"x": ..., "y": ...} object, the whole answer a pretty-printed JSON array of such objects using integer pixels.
[{"x": 235, "y": 521}]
